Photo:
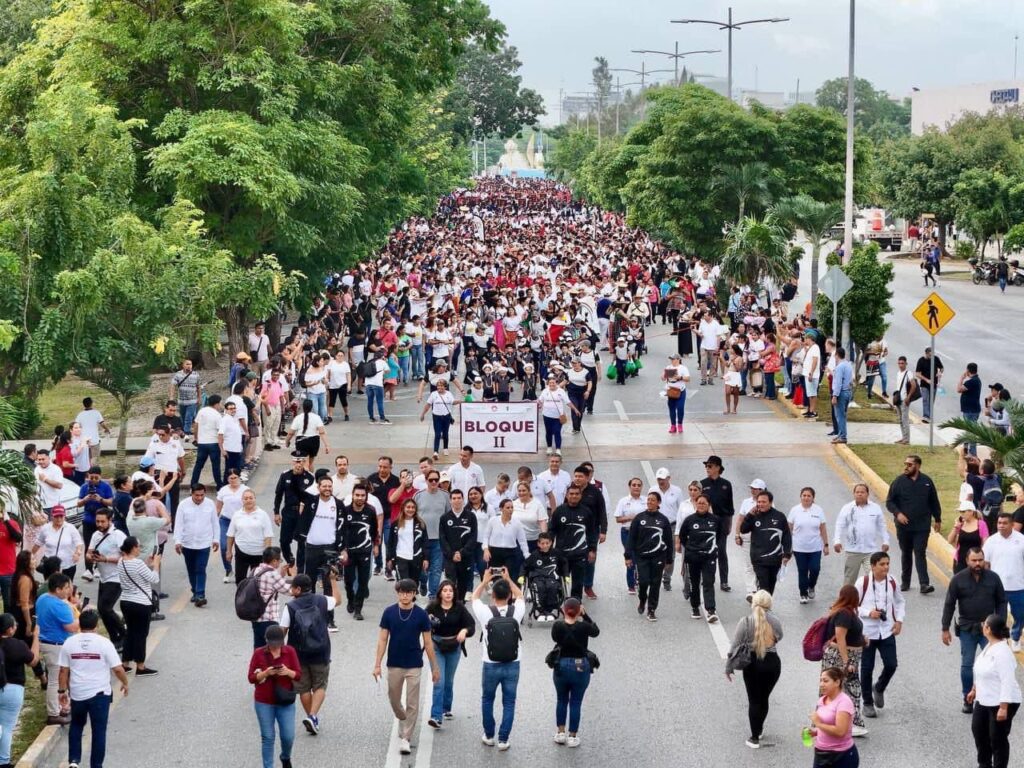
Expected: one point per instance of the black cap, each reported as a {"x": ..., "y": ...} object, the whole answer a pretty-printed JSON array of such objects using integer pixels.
[
  {"x": 715, "y": 460},
  {"x": 298, "y": 455}
]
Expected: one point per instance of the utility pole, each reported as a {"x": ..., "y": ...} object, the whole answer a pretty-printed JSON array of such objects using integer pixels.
[
  {"x": 676, "y": 56},
  {"x": 848, "y": 217}
]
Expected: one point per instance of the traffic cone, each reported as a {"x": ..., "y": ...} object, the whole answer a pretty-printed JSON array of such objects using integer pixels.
[{"x": 798, "y": 396}]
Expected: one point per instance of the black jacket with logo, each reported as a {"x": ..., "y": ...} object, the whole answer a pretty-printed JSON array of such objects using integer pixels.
[
  {"x": 698, "y": 535},
  {"x": 650, "y": 537},
  {"x": 770, "y": 537},
  {"x": 458, "y": 534},
  {"x": 358, "y": 531},
  {"x": 575, "y": 530}
]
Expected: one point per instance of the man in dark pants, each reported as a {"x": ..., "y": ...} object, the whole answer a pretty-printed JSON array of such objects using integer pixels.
[
  {"x": 104, "y": 552},
  {"x": 593, "y": 499},
  {"x": 698, "y": 538},
  {"x": 576, "y": 532},
  {"x": 360, "y": 530},
  {"x": 771, "y": 541},
  {"x": 320, "y": 531},
  {"x": 914, "y": 505},
  {"x": 882, "y": 609},
  {"x": 719, "y": 491},
  {"x": 289, "y": 497}
]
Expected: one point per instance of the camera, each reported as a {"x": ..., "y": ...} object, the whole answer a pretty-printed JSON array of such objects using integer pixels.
[
  {"x": 330, "y": 570},
  {"x": 883, "y": 615}
]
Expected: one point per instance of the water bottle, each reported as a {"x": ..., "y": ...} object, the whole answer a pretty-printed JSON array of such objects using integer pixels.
[
  {"x": 807, "y": 737},
  {"x": 941, "y": 390}
]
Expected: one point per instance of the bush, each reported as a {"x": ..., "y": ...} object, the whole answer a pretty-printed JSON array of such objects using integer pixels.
[
  {"x": 29, "y": 418},
  {"x": 965, "y": 250}
]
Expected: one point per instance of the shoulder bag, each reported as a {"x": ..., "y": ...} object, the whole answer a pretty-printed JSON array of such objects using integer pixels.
[
  {"x": 283, "y": 697},
  {"x": 740, "y": 657},
  {"x": 135, "y": 584}
]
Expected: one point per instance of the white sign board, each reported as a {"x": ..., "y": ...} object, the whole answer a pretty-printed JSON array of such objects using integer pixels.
[{"x": 499, "y": 427}]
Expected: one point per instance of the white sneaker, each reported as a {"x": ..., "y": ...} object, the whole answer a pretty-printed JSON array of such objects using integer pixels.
[
  {"x": 859, "y": 730},
  {"x": 503, "y": 746},
  {"x": 403, "y": 747},
  {"x": 549, "y": 451},
  {"x": 572, "y": 741},
  {"x": 560, "y": 737},
  {"x": 488, "y": 740},
  {"x": 227, "y": 578},
  {"x": 87, "y": 575},
  {"x": 1015, "y": 645}
]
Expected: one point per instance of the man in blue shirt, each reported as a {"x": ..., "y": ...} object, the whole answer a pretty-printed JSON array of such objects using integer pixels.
[
  {"x": 842, "y": 393},
  {"x": 969, "y": 388},
  {"x": 56, "y": 622},
  {"x": 94, "y": 494}
]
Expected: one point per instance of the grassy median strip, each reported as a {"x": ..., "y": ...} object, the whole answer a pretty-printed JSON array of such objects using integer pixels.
[
  {"x": 939, "y": 464},
  {"x": 32, "y": 719}
]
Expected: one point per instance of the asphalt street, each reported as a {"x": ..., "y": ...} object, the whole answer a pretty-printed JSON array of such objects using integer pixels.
[{"x": 660, "y": 697}]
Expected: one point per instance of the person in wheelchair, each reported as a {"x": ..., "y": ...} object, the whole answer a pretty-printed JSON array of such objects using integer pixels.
[{"x": 544, "y": 570}]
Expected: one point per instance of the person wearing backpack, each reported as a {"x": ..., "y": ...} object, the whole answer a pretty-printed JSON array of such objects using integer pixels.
[
  {"x": 256, "y": 596},
  {"x": 305, "y": 619},
  {"x": 405, "y": 635},
  {"x": 844, "y": 645},
  {"x": 500, "y": 638},
  {"x": 882, "y": 609},
  {"x": 991, "y": 501}
]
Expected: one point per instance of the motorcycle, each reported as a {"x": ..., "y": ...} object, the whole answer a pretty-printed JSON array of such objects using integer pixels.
[{"x": 984, "y": 271}]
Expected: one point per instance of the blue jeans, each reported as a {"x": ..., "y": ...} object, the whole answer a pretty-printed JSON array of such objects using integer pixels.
[
  {"x": 319, "y": 400},
  {"x": 267, "y": 715},
  {"x": 403, "y": 368},
  {"x": 677, "y": 409},
  {"x": 224, "y": 525},
  {"x": 808, "y": 565},
  {"x": 887, "y": 650},
  {"x": 553, "y": 432},
  {"x": 970, "y": 644},
  {"x": 233, "y": 460},
  {"x": 882, "y": 373},
  {"x": 196, "y": 561},
  {"x": 572, "y": 676},
  {"x": 385, "y": 536},
  {"x": 971, "y": 448},
  {"x": 11, "y": 698},
  {"x": 769, "y": 385},
  {"x": 442, "y": 425},
  {"x": 206, "y": 451},
  {"x": 96, "y": 710},
  {"x": 434, "y": 571},
  {"x": 375, "y": 393},
  {"x": 631, "y": 570},
  {"x": 188, "y": 415},
  {"x": 842, "y": 403},
  {"x": 1015, "y": 604},
  {"x": 444, "y": 690},
  {"x": 505, "y": 674},
  {"x": 418, "y": 368}
]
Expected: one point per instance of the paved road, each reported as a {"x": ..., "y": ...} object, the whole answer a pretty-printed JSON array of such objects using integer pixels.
[{"x": 660, "y": 695}]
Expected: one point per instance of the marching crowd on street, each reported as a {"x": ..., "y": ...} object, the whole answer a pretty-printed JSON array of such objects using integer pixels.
[{"x": 512, "y": 291}]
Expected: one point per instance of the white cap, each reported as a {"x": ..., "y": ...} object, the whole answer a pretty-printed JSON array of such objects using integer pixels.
[
  {"x": 662, "y": 473},
  {"x": 758, "y": 483},
  {"x": 444, "y": 478},
  {"x": 966, "y": 506}
]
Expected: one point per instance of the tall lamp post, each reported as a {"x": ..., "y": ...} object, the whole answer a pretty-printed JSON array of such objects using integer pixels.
[
  {"x": 643, "y": 72},
  {"x": 618, "y": 89},
  {"x": 848, "y": 215},
  {"x": 730, "y": 25},
  {"x": 676, "y": 56}
]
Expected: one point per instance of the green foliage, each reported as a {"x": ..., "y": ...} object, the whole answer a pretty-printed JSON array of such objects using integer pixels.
[
  {"x": 757, "y": 250},
  {"x": 966, "y": 249},
  {"x": 815, "y": 219},
  {"x": 868, "y": 302},
  {"x": 984, "y": 203},
  {"x": 1014, "y": 240},
  {"x": 566, "y": 161},
  {"x": 919, "y": 174},
  {"x": 744, "y": 184},
  {"x": 16, "y": 19},
  {"x": 874, "y": 111},
  {"x": 1007, "y": 450}
]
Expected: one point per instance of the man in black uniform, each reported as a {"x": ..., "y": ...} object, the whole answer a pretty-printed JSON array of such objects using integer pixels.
[
  {"x": 359, "y": 538},
  {"x": 381, "y": 483},
  {"x": 457, "y": 531},
  {"x": 719, "y": 491},
  {"x": 575, "y": 530},
  {"x": 698, "y": 537},
  {"x": 771, "y": 541},
  {"x": 289, "y": 496},
  {"x": 593, "y": 499},
  {"x": 650, "y": 542}
]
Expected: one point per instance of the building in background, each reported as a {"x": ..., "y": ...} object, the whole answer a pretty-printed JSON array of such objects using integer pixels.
[{"x": 939, "y": 107}]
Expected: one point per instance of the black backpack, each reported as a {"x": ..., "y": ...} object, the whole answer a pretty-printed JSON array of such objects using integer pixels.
[
  {"x": 249, "y": 603},
  {"x": 992, "y": 494},
  {"x": 503, "y": 635},
  {"x": 307, "y": 632},
  {"x": 367, "y": 369}
]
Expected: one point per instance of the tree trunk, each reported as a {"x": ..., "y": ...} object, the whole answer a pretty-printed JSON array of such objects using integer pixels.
[
  {"x": 234, "y": 320},
  {"x": 815, "y": 254},
  {"x": 942, "y": 236},
  {"x": 274, "y": 329},
  {"x": 743, "y": 207},
  {"x": 121, "y": 460},
  {"x": 982, "y": 253}
]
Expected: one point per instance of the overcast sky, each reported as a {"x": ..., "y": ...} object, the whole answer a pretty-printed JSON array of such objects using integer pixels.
[{"x": 900, "y": 43}]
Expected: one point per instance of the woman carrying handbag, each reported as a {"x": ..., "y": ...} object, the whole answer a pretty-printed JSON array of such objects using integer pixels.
[
  {"x": 753, "y": 652},
  {"x": 272, "y": 670}
]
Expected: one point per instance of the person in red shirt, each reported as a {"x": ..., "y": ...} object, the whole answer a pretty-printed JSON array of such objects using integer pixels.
[
  {"x": 10, "y": 538},
  {"x": 272, "y": 669}
]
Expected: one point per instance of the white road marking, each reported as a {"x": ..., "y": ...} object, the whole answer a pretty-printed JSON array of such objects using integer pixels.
[
  {"x": 720, "y": 637},
  {"x": 425, "y": 744},
  {"x": 648, "y": 471},
  {"x": 621, "y": 411},
  {"x": 394, "y": 757}
]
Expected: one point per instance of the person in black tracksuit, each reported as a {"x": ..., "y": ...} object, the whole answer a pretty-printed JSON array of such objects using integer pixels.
[
  {"x": 650, "y": 541},
  {"x": 771, "y": 541},
  {"x": 359, "y": 545},
  {"x": 289, "y": 496},
  {"x": 698, "y": 535},
  {"x": 719, "y": 491},
  {"x": 575, "y": 530},
  {"x": 593, "y": 498},
  {"x": 544, "y": 568},
  {"x": 457, "y": 531},
  {"x": 411, "y": 567}
]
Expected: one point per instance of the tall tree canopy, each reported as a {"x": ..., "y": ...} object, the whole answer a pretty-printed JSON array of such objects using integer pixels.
[{"x": 875, "y": 113}]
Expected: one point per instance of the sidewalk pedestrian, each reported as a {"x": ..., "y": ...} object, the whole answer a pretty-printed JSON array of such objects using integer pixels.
[
  {"x": 574, "y": 664},
  {"x": 450, "y": 624},
  {"x": 57, "y": 623},
  {"x": 754, "y": 641},
  {"x": 86, "y": 661},
  {"x": 58, "y": 539},
  {"x": 273, "y": 669},
  {"x": 914, "y": 504},
  {"x": 137, "y": 579},
  {"x": 405, "y": 635},
  {"x": 882, "y": 609},
  {"x": 842, "y": 393},
  {"x": 676, "y": 376},
  {"x": 906, "y": 392},
  {"x": 196, "y": 532},
  {"x": 228, "y": 502},
  {"x": 996, "y": 695},
  {"x": 17, "y": 654},
  {"x": 105, "y": 552}
]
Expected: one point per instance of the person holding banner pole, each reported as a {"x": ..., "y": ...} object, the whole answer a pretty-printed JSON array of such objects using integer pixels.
[{"x": 440, "y": 403}]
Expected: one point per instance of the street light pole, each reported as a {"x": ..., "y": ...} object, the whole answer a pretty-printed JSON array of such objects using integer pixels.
[
  {"x": 848, "y": 216},
  {"x": 729, "y": 25},
  {"x": 676, "y": 56}
]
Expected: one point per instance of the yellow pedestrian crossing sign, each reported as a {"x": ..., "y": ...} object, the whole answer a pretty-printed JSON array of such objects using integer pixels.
[{"x": 933, "y": 314}]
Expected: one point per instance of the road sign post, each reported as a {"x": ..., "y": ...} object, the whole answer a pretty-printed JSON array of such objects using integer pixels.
[
  {"x": 834, "y": 284},
  {"x": 933, "y": 314}
]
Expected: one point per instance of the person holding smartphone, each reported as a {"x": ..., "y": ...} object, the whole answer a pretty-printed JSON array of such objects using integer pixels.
[{"x": 272, "y": 670}]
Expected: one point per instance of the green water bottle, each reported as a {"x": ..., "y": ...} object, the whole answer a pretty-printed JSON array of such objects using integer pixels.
[{"x": 807, "y": 736}]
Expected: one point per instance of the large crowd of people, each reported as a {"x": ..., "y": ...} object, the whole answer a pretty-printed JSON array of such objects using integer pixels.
[{"x": 512, "y": 291}]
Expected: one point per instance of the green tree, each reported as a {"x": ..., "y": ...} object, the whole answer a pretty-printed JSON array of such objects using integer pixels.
[
  {"x": 871, "y": 107},
  {"x": 568, "y": 157},
  {"x": 868, "y": 302},
  {"x": 744, "y": 184},
  {"x": 16, "y": 20},
  {"x": 983, "y": 204},
  {"x": 17, "y": 480},
  {"x": 815, "y": 219},
  {"x": 1007, "y": 450},
  {"x": 757, "y": 250}
]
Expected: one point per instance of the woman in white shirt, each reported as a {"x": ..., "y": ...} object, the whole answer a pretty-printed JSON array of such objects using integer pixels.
[
  {"x": 554, "y": 406},
  {"x": 308, "y": 431},
  {"x": 59, "y": 539},
  {"x": 315, "y": 382},
  {"x": 407, "y": 543},
  {"x": 810, "y": 540},
  {"x": 441, "y": 404},
  {"x": 530, "y": 513},
  {"x": 339, "y": 384},
  {"x": 137, "y": 581},
  {"x": 229, "y": 501},
  {"x": 676, "y": 375},
  {"x": 504, "y": 534},
  {"x": 249, "y": 533},
  {"x": 996, "y": 694},
  {"x": 476, "y": 504},
  {"x": 629, "y": 507}
]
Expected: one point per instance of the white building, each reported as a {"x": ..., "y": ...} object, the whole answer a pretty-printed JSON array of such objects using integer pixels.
[{"x": 939, "y": 107}]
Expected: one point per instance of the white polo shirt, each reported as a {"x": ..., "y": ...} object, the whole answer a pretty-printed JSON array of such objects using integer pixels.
[
  {"x": 670, "y": 500},
  {"x": 1005, "y": 556},
  {"x": 165, "y": 455},
  {"x": 465, "y": 478}
]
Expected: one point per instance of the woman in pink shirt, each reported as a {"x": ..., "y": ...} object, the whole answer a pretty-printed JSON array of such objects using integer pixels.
[{"x": 832, "y": 723}]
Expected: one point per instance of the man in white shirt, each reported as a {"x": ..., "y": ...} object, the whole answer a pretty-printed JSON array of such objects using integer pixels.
[
  {"x": 812, "y": 374},
  {"x": 1004, "y": 555},
  {"x": 49, "y": 480},
  {"x": 743, "y": 539},
  {"x": 104, "y": 551},
  {"x": 709, "y": 331},
  {"x": 342, "y": 480},
  {"x": 229, "y": 438},
  {"x": 556, "y": 481},
  {"x": 207, "y": 429},
  {"x": 882, "y": 609},
  {"x": 92, "y": 421},
  {"x": 375, "y": 388},
  {"x": 86, "y": 661},
  {"x": 466, "y": 473},
  {"x": 671, "y": 498},
  {"x": 508, "y": 604},
  {"x": 168, "y": 457},
  {"x": 538, "y": 488},
  {"x": 861, "y": 531},
  {"x": 320, "y": 530},
  {"x": 259, "y": 347},
  {"x": 196, "y": 532}
]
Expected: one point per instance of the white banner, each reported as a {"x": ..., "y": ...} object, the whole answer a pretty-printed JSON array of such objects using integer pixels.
[{"x": 499, "y": 427}]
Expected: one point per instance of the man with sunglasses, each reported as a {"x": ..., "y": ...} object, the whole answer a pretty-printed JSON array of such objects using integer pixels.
[
  {"x": 914, "y": 504},
  {"x": 432, "y": 504}
]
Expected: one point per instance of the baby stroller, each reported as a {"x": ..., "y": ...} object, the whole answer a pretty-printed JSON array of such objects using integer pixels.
[{"x": 546, "y": 597}]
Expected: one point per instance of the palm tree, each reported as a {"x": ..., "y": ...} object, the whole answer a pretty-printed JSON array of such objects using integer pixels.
[
  {"x": 815, "y": 219},
  {"x": 1007, "y": 450},
  {"x": 756, "y": 249},
  {"x": 747, "y": 183},
  {"x": 17, "y": 480}
]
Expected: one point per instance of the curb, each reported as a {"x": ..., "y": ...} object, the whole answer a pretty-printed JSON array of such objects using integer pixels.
[{"x": 41, "y": 750}]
